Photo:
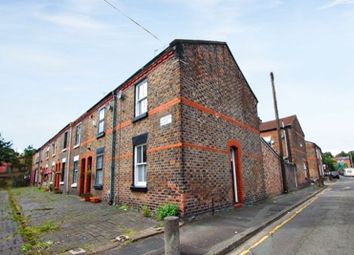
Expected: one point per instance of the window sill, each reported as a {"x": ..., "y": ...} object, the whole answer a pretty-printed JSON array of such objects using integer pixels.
[
  {"x": 140, "y": 117},
  {"x": 138, "y": 189},
  {"x": 102, "y": 134},
  {"x": 63, "y": 150},
  {"x": 98, "y": 187},
  {"x": 53, "y": 155},
  {"x": 74, "y": 185},
  {"x": 76, "y": 146},
  {"x": 61, "y": 183}
]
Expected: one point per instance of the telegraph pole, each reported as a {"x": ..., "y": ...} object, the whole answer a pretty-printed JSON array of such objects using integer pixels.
[{"x": 281, "y": 153}]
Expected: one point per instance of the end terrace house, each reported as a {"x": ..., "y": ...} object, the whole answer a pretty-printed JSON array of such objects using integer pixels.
[{"x": 183, "y": 129}]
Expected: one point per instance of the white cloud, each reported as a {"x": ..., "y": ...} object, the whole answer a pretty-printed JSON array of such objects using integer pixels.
[
  {"x": 334, "y": 3},
  {"x": 72, "y": 21}
]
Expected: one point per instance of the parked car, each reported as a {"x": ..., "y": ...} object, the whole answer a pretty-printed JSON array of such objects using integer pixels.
[
  {"x": 349, "y": 172},
  {"x": 334, "y": 174}
]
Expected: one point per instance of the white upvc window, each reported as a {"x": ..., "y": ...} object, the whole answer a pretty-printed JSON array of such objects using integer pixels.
[
  {"x": 141, "y": 98},
  {"x": 77, "y": 134},
  {"x": 140, "y": 165},
  {"x": 62, "y": 175},
  {"x": 76, "y": 170},
  {"x": 101, "y": 121},
  {"x": 99, "y": 170},
  {"x": 54, "y": 148}
]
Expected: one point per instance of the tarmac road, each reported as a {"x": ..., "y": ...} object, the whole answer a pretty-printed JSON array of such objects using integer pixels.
[{"x": 325, "y": 226}]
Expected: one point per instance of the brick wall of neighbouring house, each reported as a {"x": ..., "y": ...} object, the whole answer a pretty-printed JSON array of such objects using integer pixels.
[
  {"x": 298, "y": 152},
  {"x": 218, "y": 108},
  {"x": 312, "y": 160},
  {"x": 290, "y": 171},
  {"x": 294, "y": 148},
  {"x": 272, "y": 171}
]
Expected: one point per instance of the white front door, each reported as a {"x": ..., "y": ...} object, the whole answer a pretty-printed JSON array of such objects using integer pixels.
[{"x": 234, "y": 176}]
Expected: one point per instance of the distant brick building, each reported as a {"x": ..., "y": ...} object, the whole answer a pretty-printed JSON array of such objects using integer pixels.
[
  {"x": 314, "y": 159},
  {"x": 345, "y": 160},
  {"x": 184, "y": 129},
  {"x": 9, "y": 175},
  {"x": 294, "y": 146}
]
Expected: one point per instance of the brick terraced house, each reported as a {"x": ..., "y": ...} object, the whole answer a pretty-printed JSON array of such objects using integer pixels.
[
  {"x": 294, "y": 146},
  {"x": 183, "y": 129},
  {"x": 314, "y": 159}
]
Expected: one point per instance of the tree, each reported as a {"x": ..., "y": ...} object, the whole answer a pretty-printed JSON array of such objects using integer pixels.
[
  {"x": 351, "y": 154},
  {"x": 342, "y": 154},
  {"x": 328, "y": 160},
  {"x": 7, "y": 154},
  {"x": 27, "y": 156}
]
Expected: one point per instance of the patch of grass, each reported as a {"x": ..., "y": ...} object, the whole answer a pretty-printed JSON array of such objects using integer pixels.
[{"x": 166, "y": 210}]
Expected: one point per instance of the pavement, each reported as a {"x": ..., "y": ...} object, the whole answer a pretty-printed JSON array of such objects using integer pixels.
[
  {"x": 325, "y": 226},
  {"x": 10, "y": 241},
  {"x": 92, "y": 227},
  {"x": 222, "y": 232}
]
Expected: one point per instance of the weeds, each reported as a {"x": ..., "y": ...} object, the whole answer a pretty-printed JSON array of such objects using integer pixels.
[
  {"x": 123, "y": 207},
  {"x": 29, "y": 234},
  {"x": 146, "y": 211},
  {"x": 166, "y": 210}
]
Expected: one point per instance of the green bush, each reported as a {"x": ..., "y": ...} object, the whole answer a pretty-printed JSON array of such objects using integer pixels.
[
  {"x": 146, "y": 211},
  {"x": 166, "y": 210}
]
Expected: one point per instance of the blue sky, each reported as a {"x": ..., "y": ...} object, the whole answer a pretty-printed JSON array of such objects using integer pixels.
[{"x": 58, "y": 58}]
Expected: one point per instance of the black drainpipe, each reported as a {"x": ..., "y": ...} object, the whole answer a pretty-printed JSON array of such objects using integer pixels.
[{"x": 114, "y": 122}]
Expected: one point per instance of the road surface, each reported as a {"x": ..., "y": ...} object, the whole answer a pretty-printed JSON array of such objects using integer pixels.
[{"x": 323, "y": 226}]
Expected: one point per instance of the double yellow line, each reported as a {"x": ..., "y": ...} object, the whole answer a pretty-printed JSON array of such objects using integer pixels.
[{"x": 270, "y": 233}]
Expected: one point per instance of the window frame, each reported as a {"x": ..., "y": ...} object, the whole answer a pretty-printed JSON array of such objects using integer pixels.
[
  {"x": 77, "y": 135},
  {"x": 101, "y": 132},
  {"x": 137, "y": 183},
  {"x": 54, "y": 148},
  {"x": 99, "y": 185},
  {"x": 65, "y": 140},
  {"x": 138, "y": 101},
  {"x": 75, "y": 171},
  {"x": 62, "y": 172}
]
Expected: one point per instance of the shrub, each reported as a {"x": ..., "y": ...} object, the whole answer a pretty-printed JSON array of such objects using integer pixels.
[
  {"x": 166, "y": 210},
  {"x": 146, "y": 211}
]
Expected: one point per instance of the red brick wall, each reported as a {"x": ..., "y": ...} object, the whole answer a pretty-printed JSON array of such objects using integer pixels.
[
  {"x": 294, "y": 148},
  {"x": 164, "y": 176},
  {"x": 298, "y": 152},
  {"x": 219, "y": 107},
  {"x": 272, "y": 171},
  {"x": 312, "y": 160}
]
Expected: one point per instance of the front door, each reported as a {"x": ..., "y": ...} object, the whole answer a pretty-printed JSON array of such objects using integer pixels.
[
  {"x": 82, "y": 176},
  {"x": 234, "y": 173}
]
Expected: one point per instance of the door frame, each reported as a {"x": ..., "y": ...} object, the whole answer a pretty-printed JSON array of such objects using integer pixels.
[{"x": 236, "y": 171}]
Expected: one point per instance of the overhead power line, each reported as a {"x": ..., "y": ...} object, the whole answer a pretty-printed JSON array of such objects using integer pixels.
[{"x": 131, "y": 19}]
